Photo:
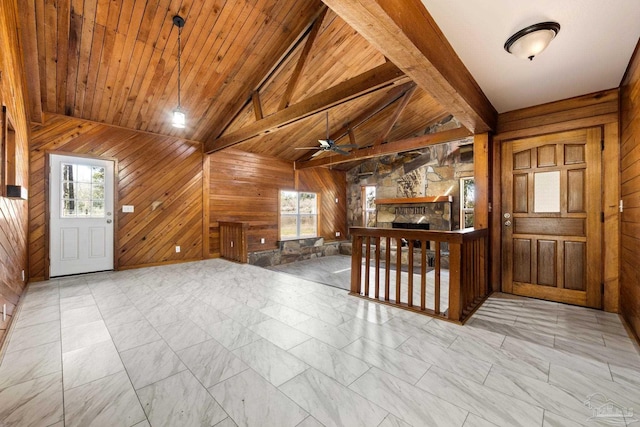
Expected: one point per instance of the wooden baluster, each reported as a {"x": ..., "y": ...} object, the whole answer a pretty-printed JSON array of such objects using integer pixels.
[
  {"x": 356, "y": 263},
  {"x": 455, "y": 255},
  {"x": 468, "y": 270},
  {"x": 477, "y": 268},
  {"x": 436, "y": 294},
  {"x": 387, "y": 269},
  {"x": 367, "y": 265},
  {"x": 423, "y": 274},
  {"x": 485, "y": 266},
  {"x": 410, "y": 271},
  {"x": 377, "y": 293},
  {"x": 398, "y": 268}
]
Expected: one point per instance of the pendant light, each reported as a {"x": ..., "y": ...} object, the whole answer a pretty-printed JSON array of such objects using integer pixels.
[
  {"x": 179, "y": 118},
  {"x": 530, "y": 41}
]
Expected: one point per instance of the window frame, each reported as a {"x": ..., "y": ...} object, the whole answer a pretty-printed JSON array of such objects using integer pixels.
[
  {"x": 365, "y": 210},
  {"x": 298, "y": 215},
  {"x": 464, "y": 209}
]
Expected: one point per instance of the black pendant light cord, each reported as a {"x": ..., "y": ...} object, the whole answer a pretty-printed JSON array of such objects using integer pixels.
[
  {"x": 178, "y": 21},
  {"x": 179, "y": 58}
]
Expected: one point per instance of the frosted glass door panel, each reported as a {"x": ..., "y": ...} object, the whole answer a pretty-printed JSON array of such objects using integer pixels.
[{"x": 546, "y": 190}]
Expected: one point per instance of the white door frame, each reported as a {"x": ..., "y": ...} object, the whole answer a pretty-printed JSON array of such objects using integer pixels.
[{"x": 53, "y": 207}]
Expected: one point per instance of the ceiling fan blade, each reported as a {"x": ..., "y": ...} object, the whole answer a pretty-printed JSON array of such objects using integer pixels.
[
  {"x": 348, "y": 146},
  {"x": 339, "y": 151},
  {"x": 317, "y": 153},
  {"x": 306, "y": 148}
]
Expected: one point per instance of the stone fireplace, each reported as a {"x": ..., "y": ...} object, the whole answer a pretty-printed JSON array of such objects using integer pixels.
[
  {"x": 433, "y": 211},
  {"x": 416, "y": 213}
]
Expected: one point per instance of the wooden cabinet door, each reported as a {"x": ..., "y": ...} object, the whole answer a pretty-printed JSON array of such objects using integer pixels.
[{"x": 551, "y": 210}]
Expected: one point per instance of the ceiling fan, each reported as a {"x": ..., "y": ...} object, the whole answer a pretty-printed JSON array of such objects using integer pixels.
[{"x": 329, "y": 144}]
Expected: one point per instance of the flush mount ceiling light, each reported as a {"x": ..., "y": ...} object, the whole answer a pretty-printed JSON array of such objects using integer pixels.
[
  {"x": 179, "y": 118},
  {"x": 530, "y": 41}
]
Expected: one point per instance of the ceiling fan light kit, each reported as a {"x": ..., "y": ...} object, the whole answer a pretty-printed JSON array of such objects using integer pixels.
[
  {"x": 530, "y": 41},
  {"x": 179, "y": 119}
]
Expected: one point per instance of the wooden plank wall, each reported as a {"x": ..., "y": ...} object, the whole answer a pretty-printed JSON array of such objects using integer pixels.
[
  {"x": 245, "y": 187},
  {"x": 596, "y": 109},
  {"x": 161, "y": 176},
  {"x": 13, "y": 213},
  {"x": 330, "y": 185},
  {"x": 630, "y": 189}
]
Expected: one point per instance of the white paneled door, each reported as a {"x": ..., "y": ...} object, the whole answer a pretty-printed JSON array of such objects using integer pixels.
[{"x": 81, "y": 215}]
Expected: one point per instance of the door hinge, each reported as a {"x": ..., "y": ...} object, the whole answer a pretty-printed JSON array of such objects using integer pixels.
[
  {"x": 602, "y": 144},
  {"x": 602, "y": 288},
  {"x": 601, "y": 216}
]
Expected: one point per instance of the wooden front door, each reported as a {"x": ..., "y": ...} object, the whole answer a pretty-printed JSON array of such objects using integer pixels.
[{"x": 551, "y": 217}]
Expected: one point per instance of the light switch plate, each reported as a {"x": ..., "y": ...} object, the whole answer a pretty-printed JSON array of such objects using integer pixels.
[{"x": 127, "y": 208}]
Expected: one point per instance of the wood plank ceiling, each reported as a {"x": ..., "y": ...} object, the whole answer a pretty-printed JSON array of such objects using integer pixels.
[{"x": 249, "y": 68}]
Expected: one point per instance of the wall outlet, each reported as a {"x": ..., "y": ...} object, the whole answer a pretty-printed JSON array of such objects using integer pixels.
[
  {"x": 177, "y": 249},
  {"x": 337, "y": 234},
  {"x": 127, "y": 208},
  {"x": 262, "y": 241},
  {"x": 22, "y": 275},
  {"x": 336, "y": 200}
]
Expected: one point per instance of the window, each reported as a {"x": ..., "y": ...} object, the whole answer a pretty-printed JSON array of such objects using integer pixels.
[
  {"x": 467, "y": 202},
  {"x": 82, "y": 191},
  {"x": 298, "y": 215},
  {"x": 369, "y": 206}
]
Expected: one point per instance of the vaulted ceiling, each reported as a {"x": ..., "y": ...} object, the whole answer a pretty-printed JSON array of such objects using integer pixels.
[{"x": 258, "y": 75}]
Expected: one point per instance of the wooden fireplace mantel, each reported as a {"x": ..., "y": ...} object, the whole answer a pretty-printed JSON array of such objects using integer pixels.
[{"x": 414, "y": 200}]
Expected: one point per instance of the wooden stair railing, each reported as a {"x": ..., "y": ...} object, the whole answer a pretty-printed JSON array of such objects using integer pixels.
[{"x": 468, "y": 269}]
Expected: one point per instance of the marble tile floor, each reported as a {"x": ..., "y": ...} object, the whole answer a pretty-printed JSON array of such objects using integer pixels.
[{"x": 214, "y": 343}]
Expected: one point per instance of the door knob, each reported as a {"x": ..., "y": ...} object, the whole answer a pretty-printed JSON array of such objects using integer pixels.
[
  {"x": 108, "y": 221},
  {"x": 507, "y": 223},
  {"x": 507, "y": 215}
]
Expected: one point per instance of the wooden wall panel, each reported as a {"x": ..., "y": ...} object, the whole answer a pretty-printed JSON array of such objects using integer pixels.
[
  {"x": 331, "y": 185},
  {"x": 161, "y": 176},
  {"x": 630, "y": 189},
  {"x": 245, "y": 187},
  {"x": 13, "y": 213},
  {"x": 574, "y": 113}
]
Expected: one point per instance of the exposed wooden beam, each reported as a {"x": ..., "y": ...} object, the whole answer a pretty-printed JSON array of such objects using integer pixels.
[
  {"x": 388, "y": 148},
  {"x": 257, "y": 106},
  {"x": 481, "y": 169},
  {"x": 302, "y": 60},
  {"x": 352, "y": 137},
  {"x": 30, "y": 52},
  {"x": 404, "y": 32},
  {"x": 382, "y": 76},
  {"x": 274, "y": 67},
  {"x": 392, "y": 96},
  {"x": 396, "y": 115}
]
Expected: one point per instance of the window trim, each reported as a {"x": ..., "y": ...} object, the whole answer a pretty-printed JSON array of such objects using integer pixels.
[
  {"x": 464, "y": 210},
  {"x": 364, "y": 204},
  {"x": 298, "y": 215}
]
